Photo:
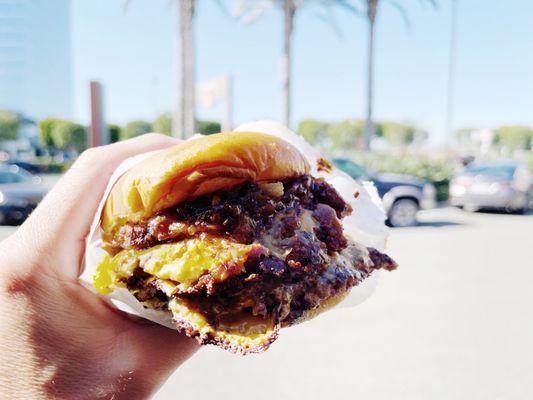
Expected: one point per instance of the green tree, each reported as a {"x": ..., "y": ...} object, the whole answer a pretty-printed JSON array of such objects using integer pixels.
[
  {"x": 463, "y": 134},
  {"x": 514, "y": 137},
  {"x": 135, "y": 128},
  {"x": 67, "y": 135},
  {"x": 397, "y": 134},
  {"x": 314, "y": 131},
  {"x": 114, "y": 133},
  {"x": 163, "y": 124},
  {"x": 45, "y": 132},
  {"x": 208, "y": 127},
  {"x": 62, "y": 134},
  {"x": 345, "y": 134},
  {"x": 9, "y": 126}
]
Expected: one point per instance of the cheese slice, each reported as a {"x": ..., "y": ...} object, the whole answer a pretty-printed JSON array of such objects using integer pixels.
[{"x": 181, "y": 263}]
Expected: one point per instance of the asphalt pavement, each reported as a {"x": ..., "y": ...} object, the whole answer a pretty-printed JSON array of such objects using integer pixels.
[{"x": 455, "y": 321}]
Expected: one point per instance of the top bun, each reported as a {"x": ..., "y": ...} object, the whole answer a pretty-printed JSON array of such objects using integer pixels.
[{"x": 197, "y": 167}]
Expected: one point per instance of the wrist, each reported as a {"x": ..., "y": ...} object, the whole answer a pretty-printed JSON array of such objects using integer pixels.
[
  {"x": 46, "y": 353},
  {"x": 59, "y": 340}
]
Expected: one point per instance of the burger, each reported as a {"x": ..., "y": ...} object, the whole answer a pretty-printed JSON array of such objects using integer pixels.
[{"x": 233, "y": 235}]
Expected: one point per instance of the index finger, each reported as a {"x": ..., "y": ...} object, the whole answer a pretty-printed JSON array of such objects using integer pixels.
[{"x": 65, "y": 215}]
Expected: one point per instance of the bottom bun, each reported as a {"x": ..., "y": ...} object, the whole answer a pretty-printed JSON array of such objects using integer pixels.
[{"x": 193, "y": 325}]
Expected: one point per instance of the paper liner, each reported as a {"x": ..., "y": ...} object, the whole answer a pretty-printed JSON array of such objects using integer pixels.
[{"x": 365, "y": 225}]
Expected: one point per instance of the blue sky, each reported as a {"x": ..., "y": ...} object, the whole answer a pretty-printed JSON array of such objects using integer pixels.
[{"x": 133, "y": 54}]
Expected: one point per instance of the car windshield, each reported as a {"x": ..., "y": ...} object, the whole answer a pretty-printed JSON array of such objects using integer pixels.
[
  {"x": 498, "y": 171},
  {"x": 354, "y": 170},
  {"x": 14, "y": 174}
]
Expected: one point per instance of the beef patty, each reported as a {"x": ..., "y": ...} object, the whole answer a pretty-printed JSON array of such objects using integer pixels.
[{"x": 306, "y": 257}]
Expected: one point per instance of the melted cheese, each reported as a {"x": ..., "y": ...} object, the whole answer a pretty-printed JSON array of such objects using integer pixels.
[{"x": 181, "y": 263}]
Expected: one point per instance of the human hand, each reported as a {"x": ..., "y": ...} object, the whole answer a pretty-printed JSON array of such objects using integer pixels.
[{"x": 58, "y": 339}]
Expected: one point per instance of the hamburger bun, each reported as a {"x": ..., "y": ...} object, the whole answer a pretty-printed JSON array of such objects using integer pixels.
[
  {"x": 197, "y": 167},
  {"x": 232, "y": 284}
]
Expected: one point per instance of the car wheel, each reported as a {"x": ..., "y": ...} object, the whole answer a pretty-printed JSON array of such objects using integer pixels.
[
  {"x": 2, "y": 218},
  {"x": 470, "y": 208},
  {"x": 403, "y": 213}
]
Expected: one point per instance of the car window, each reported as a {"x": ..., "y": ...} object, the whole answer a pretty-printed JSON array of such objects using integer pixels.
[
  {"x": 12, "y": 177},
  {"x": 351, "y": 168},
  {"x": 498, "y": 171}
]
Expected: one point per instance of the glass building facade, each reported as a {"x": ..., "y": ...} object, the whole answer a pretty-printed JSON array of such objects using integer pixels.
[{"x": 35, "y": 58}]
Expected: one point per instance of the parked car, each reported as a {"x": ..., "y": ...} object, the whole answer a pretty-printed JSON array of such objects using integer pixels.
[
  {"x": 28, "y": 166},
  {"x": 403, "y": 195},
  {"x": 504, "y": 185},
  {"x": 20, "y": 192}
]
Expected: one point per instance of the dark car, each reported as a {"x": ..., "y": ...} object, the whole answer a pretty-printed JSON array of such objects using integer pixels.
[
  {"x": 28, "y": 166},
  {"x": 20, "y": 192},
  {"x": 402, "y": 195}
]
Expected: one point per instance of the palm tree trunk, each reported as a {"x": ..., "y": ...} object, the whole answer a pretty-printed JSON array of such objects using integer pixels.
[
  {"x": 369, "y": 125},
  {"x": 184, "y": 119},
  {"x": 289, "y": 10}
]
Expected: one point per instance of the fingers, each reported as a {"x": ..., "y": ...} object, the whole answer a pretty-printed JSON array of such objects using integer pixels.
[{"x": 64, "y": 216}]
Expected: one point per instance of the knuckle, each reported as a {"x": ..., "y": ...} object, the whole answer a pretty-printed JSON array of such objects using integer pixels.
[
  {"x": 154, "y": 136},
  {"x": 90, "y": 154},
  {"x": 90, "y": 157}
]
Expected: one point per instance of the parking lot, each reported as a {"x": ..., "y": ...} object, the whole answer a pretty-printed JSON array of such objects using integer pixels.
[{"x": 455, "y": 321}]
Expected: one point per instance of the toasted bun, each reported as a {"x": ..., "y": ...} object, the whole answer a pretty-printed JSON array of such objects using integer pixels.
[{"x": 197, "y": 167}]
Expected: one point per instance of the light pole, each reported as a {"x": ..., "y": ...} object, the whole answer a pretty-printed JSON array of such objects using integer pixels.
[{"x": 451, "y": 74}]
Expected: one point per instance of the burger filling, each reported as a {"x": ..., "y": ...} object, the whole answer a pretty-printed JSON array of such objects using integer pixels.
[{"x": 235, "y": 265}]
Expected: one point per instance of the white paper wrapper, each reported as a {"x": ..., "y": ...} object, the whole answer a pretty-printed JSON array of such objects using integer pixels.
[{"x": 365, "y": 225}]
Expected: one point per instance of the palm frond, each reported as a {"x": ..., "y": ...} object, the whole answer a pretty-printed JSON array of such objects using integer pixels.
[
  {"x": 329, "y": 18},
  {"x": 223, "y": 7},
  {"x": 347, "y": 5},
  {"x": 433, "y": 3},
  {"x": 401, "y": 10},
  {"x": 249, "y": 11}
]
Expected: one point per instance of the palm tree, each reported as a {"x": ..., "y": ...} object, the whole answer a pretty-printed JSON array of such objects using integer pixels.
[
  {"x": 250, "y": 10},
  {"x": 184, "y": 116},
  {"x": 289, "y": 11},
  {"x": 183, "y": 119},
  {"x": 371, "y": 14}
]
